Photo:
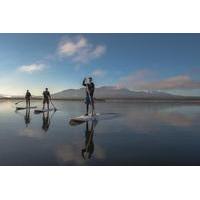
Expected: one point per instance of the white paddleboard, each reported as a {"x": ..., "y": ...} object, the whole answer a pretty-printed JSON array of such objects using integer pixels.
[
  {"x": 43, "y": 110},
  {"x": 23, "y": 108},
  {"x": 85, "y": 118}
]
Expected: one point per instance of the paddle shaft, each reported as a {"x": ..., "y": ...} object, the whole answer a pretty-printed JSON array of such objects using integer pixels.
[
  {"x": 18, "y": 102},
  {"x": 52, "y": 104}
]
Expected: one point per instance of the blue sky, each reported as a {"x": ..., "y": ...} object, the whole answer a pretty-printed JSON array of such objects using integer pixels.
[{"x": 163, "y": 62}]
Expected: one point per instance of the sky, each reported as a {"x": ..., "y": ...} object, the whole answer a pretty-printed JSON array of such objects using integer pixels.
[{"x": 140, "y": 62}]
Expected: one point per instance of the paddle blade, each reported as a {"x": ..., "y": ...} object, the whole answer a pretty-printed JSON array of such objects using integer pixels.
[
  {"x": 75, "y": 123},
  {"x": 18, "y": 102}
]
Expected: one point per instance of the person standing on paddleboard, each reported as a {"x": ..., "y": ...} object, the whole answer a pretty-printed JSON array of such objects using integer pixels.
[
  {"x": 46, "y": 98},
  {"x": 28, "y": 99},
  {"x": 89, "y": 100}
]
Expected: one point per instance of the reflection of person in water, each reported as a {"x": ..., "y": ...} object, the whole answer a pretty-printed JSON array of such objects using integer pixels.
[
  {"x": 27, "y": 117},
  {"x": 89, "y": 144},
  {"x": 46, "y": 121}
]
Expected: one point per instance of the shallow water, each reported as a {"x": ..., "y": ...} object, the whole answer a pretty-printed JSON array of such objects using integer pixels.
[{"x": 127, "y": 134}]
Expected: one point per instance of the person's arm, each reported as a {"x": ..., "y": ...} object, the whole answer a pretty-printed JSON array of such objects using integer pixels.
[{"x": 84, "y": 84}]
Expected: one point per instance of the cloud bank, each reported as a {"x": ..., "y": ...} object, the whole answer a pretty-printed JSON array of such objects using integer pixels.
[
  {"x": 31, "y": 68},
  {"x": 145, "y": 80},
  {"x": 79, "y": 49},
  {"x": 99, "y": 73}
]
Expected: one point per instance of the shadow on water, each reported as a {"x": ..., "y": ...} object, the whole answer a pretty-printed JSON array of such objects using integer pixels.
[
  {"x": 88, "y": 150},
  {"x": 90, "y": 126},
  {"x": 109, "y": 116},
  {"x": 27, "y": 119},
  {"x": 46, "y": 120},
  {"x": 26, "y": 116},
  {"x": 102, "y": 116}
]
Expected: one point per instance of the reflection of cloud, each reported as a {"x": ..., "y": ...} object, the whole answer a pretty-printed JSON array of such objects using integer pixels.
[
  {"x": 146, "y": 80},
  {"x": 144, "y": 118},
  {"x": 175, "y": 119},
  {"x": 29, "y": 132},
  {"x": 69, "y": 153},
  {"x": 72, "y": 153},
  {"x": 99, "y": 152},
  {"x": 79, "y": 49},
  {"x": 31, "y": 68}
]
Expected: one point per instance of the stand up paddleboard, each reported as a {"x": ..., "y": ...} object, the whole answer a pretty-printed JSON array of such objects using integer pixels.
[
  {"x": 85, "y": 118},
  {"x": 43, "y": 110},
  {"x": 24, "y": 108}
]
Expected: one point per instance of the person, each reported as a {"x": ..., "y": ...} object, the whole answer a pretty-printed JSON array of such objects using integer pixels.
[
  {"x": 89, "y": 100},
  {"x": 46, "y": 98},
  {"x": 28, "y": 99}
]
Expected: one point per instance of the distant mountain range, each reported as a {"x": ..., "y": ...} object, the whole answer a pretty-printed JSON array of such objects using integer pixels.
[
  {"x": 107, "y": 93},
  {"x": 111, "y": 93}
]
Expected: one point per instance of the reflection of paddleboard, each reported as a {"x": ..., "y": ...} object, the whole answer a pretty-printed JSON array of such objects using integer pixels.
[
  {"x": 23, "y": 108},
  {"x": 84, "y": 118},
  {"x": 43, "y": 110}
]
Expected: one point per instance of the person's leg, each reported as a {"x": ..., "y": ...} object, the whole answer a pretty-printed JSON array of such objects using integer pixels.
[
  {"x": 87, "y": 108},
  {"x": 87, "y": 104},
  {"x": 48, "y": 105},
  {"x": 92, "y": 104},
  {"x": 26, "y": 103},
  {"x": 29, "y": 103},
  {"x": 43, "y": 104}
]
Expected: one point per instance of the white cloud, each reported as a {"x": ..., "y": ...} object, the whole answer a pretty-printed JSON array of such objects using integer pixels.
[
  {"x": 176, "y": 82},
  {"x": 135, "y": 80},
  {"x": 99, "y": 73},
  {"x": 147, "y": 80},
  {"x": 70, "y": 47},
  {"x": 79, "y": 49},
  {"x": 31, "y": 68}
]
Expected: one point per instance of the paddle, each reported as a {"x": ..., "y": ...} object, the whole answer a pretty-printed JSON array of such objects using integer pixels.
[
  {"x": 53, "y": 105},
  {"x": 18, "y": 102},
  {"x": 90, "y": 138}
]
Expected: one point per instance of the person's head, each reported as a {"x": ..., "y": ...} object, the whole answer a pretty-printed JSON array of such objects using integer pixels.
[
  {"x": 46, "y": 89},
  {"x": 90, "y": 79},
  {"x": 27, "y": 91}
]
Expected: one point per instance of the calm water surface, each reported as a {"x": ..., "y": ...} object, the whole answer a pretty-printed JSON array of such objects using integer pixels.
[{"x": 127, "y": 134}]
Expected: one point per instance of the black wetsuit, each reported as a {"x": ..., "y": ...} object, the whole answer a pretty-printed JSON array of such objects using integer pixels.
[
  {"x": 90, "y": 87},
  {"x": 46, "y": 96},
  {"x": 28, "y": 98}
]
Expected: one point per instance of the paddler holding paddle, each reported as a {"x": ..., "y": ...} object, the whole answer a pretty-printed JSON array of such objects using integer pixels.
[
  {"x": 89, "y": 100},
  {"x": 28, "y": 99},
  {"x": 46, "y": 98}
]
